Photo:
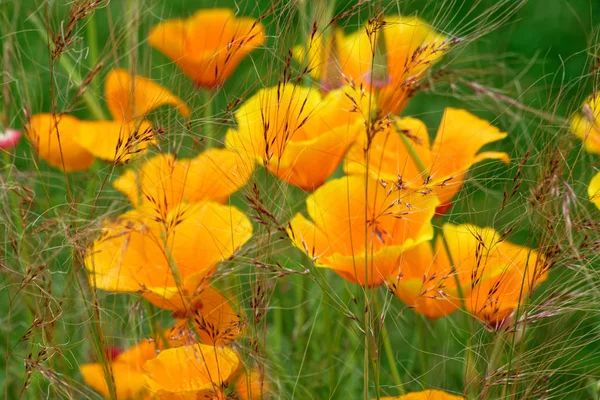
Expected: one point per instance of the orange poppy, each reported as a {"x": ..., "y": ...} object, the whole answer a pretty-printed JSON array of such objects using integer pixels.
[
  {"x": 411, "y": 47},
  {"x": 585, "y": 124},
  {"x": 191, "y": 372},
  {"x": 163, "y": 181},
  {"x": 494, "y": 275},
  {"x": 426, "y": 395},
  {"x": 129, "y": 98},
  {"x": 594, "y": 190},
  {"x": 444, "y": 164},
  {"x": 300, "y": 136},
  {"x": 71, "y": 144},
  {"x": 359, "y": 228},
  {"x": 209, "y": 45},
  {"x": 166, "y": 261}
]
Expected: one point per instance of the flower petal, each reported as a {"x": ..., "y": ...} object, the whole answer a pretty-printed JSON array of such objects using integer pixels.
[
  {"x": 586, "y": 124},
  {"x": 190, "y": 369},
  {"x": 115, "y": 141},
  {"x": 594, "y": 190},
  {"x": 146, "y": 95},
  {"x": 54, "y": 140}
]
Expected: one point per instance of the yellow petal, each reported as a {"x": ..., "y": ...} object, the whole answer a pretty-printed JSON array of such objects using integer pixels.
[
  {"x": 190, "y": 370},
  {"x": 129, "y": 382},
  {"x": 209, "y": 45},
  {"x": 426, "y": 395},
  {"x": 54, "y": 141},
  {"x": 460, "y": 136},
  {"x": 115, "y": 141},
  {"x": 424, "y": 284},
  {"x": 140, "y": 253},
  {"x": 594, "y": 190},
  {"x": 358, "y": 225},
  {"x": 166, "y": 182},
  {"x": 586, "y": 124},
  {"x": 300, "y": 136},
  {"x": 389, "y": 158},
  {"x": 128, "y": 99}
]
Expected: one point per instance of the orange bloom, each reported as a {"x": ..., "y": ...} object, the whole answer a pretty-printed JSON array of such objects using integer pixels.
[
  {"x": 298, "y": 135},
  {"x": 55, "y": 141},
  {"x": 129, "y": 98},
  {"x": 426, "y": 395},
  {"x": 126, "y": 371},
  {"x": 411, "y": 47},
  {"x": 494, "y": 275},
  {"x": 444, "y": 165},
  {"x": 357, "y": 226},
  {"x": 594, "y": 190},
  {"x": 586, "y": 124},
  {"x": 251, "y": 386},
  {"x": 163, "y": 182},
  {"x": 71, "y": 144},
  {"x": 190, "y": 372},
  {"x": 167, "y": 260},
  {"x": 209, "y": 45}
]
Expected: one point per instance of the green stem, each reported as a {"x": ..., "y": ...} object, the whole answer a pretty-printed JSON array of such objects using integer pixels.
[
  {"x": 69, "y": 68},
  {"x": 210, "y": 131},
  {"x": 389, "y": 352},
  {"x": 91, "y": 30}
]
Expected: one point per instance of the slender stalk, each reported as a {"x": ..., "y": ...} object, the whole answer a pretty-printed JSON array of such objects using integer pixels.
[
  {"x": 389, "y": 352},
  {"x": 209, "y": 129},
  {"x": 91, "y": 30},
  {"x": 66, "y": 64}
]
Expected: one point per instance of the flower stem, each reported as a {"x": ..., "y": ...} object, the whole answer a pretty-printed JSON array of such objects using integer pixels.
[
  {"x": 91, "y": 30},
  {"x": 389, "y": 352}
]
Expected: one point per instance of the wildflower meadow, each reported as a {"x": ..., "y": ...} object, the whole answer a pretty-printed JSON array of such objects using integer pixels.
[{"x": 304, "y": 199}]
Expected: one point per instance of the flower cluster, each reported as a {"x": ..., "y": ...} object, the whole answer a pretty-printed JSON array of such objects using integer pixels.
[{"x": 374, "y": 224}]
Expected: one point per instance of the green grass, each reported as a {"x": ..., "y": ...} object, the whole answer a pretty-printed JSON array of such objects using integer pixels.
[{"x": 542, "y": 55}]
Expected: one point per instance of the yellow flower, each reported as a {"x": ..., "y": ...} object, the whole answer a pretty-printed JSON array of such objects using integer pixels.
[
  {"x": 209, "y": 45},
  {"x": 251, "y": 386},
  {"x": 594, "y": 190},
  {"x": 128, "y": 98},
  {"x": 166, "y": 261},
  {"x": 126, "y": 372},
  {"x": 494, "y": 275},
  {"x": 359, "y": 229},
  {"x": 455, "y": 149},
  {"x": 71, "y": 144},
  {"x": 411, "y": 47},
  {"x": 426, "y": 395},
  {"x": 190, "y": 372},
  {"x": 300, "y": 136},
  {"x": 586, "y": 124},
  {"x": 163, "y": 181}
]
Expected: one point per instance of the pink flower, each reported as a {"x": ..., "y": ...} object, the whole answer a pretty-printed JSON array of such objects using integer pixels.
[{"x": 9, "y": 139}]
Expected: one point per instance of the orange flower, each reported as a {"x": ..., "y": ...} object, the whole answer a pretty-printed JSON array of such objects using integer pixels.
[
  {"x": 411, "y": 47},
  {"x": 71, "y": 144},
  {"x": 586, "y": 124},
  {"x": 166, "y": 261},
  {"x": 190, "y": 372},
  {"x": 300, "y": 136},
  {"x": 494, "y": 275},
  {"x": 358, "y": 226},
  {"x": 426, "y": 395},
  {"x": 126, "y": 372},
  {"x": 129, "y": 98},
  {"x": 594, "y": 190},
  {"x": 251, "y": 386},
  {"x": 163, "y": 182},
  {"x": 209, "y": 45},
  {"x": 444, "y": 165}
]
